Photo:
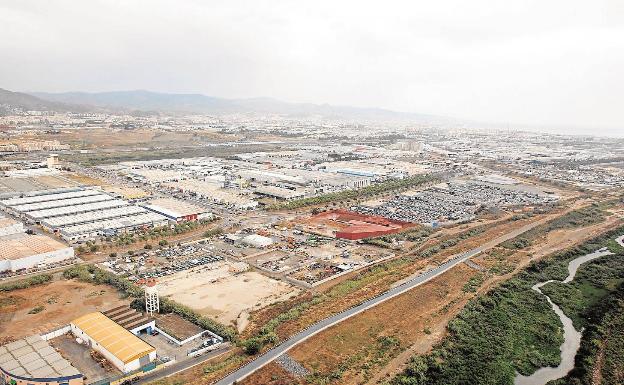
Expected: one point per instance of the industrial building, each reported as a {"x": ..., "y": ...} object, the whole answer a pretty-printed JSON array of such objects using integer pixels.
[
  {"x": 351, "y": 225},
  {"x": 33, "y": 361},
  {"x": 132, "y": 320},
  {"x": 80, "y": 214},
  {"x": 177, "y": 210},
  {"x": 257, "y": 240},
  {"x": 120, "y": 347},
  {"x": 22, "y": 251}
]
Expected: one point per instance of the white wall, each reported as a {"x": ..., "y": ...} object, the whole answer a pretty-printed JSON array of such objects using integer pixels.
[
  {"x": 56, "y": 333},
  {"x": 130, "y": 366},
  {"x": 33, "y": 260},
  {"x": 76, "y": 331},
  {"x": 137, "y": 329}
]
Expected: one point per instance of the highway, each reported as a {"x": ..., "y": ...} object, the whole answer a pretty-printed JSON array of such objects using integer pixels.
[{"x": 316, "y": 328}]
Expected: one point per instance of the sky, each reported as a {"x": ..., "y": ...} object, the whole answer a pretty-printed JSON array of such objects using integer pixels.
[{"x": 554, "y": 63}]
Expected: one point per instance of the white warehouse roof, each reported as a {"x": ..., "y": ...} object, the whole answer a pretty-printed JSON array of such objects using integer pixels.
[
  {"x": 49, "y": 197},
  {"x": 93, "y": 216},
  {"x": 62, "y": 203},
  {"x": 114, "y": 224},
  {"x": 173, "y": 208},
  {"x": 68, "y": 210}
]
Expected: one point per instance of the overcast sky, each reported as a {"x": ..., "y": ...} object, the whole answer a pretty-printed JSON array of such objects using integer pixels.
[{"x": 547, "y": 62}]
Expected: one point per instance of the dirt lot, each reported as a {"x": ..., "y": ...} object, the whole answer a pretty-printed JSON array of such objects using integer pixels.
[
  {"x": 176, "y": 326},
  {"x": 376, "y": 344},
  {"x": 223, "y": 295},
  {"x": 62, "y": 301}
]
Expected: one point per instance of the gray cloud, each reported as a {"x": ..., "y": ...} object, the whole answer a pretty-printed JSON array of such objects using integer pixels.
[{"x": 536, "y": 62}]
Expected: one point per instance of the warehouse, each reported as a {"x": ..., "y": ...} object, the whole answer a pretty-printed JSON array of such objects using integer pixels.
[
  {"x": 279, "y": 192},
  {"x": 84, "y": 231},
  {"x": 25, "y": 208},
  {"x": 82, "y": 214},
  {"x": 91, "y": 216},
  {"x": 22, "y": 251},
  {"x": 130, "y": 319},
  {"x": 351, "y": 225},
  {"x": 32, "y": 360},
  {"x": 256, "y": 240},
  {"x": 68, "y": 210},
  {"x": 120, "y": 347},
  {"x": 177, "y": 210}
]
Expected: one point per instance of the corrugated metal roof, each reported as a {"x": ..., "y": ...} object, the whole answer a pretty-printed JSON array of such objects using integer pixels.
[{"x": 118, "y": 341}]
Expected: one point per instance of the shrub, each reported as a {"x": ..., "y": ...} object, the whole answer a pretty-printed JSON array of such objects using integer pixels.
[{"x": 25, "y": 283}]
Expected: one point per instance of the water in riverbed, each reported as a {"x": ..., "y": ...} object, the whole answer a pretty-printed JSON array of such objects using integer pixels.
[{"x": 572, "y": 338}]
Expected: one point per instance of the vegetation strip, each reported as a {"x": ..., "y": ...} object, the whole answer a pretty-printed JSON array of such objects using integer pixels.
[{"x": 512, "y": 328}]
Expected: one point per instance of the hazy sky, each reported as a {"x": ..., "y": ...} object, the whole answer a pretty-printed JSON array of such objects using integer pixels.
[{"x": 547, "y": 62}]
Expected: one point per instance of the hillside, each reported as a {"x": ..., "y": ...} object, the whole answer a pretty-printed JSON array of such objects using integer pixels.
[
  {"x": 18, "y": 100},
  {"x": 197, "y": 103}
]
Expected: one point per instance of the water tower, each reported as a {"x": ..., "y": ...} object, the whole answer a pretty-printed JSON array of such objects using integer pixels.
[{"x": 152, "y": 303}]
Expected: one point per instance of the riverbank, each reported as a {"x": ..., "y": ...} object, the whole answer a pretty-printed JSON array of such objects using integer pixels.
[
  {"x": 571, "y": 336},
  {"x": 512, "y": 328}
]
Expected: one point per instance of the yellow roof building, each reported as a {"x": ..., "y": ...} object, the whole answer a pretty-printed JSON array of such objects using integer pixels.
[{"x": 124, "y": 345}]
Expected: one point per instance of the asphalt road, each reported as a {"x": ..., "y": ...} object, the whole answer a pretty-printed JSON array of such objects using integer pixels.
[
  {"x": 316, "y": 328},
  {"x": 182, "y": 365}
]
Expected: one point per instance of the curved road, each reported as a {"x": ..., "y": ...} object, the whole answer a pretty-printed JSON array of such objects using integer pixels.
[{"x": 316, "y": 328}]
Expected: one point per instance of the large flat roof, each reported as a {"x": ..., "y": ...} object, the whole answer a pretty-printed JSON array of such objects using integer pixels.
[
  {"x": 113, "y": 337},
  {"x": 23, "y": 245},
  {"x": 32, "y": 357},
  {"x": 173, "y": 207}
]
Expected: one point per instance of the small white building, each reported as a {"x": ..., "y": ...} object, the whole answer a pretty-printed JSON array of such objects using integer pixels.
[
  {"x": 119, "y": 346},
  {"x": 256, "y": 240}
]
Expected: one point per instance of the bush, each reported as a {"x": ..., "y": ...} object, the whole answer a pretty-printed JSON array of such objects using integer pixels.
[
  {"x": 26, "y": 283},
  {"x": 147, "y": 246},
  {"x": 213, "y": 232}
]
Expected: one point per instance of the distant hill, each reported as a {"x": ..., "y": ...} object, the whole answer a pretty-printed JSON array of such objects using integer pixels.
[
  {"x": 11, "y": 100},
  {"x": 196, "y": 103}
]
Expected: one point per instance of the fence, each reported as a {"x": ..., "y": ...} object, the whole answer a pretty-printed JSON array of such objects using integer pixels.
[{"x": 56, "y": 332}]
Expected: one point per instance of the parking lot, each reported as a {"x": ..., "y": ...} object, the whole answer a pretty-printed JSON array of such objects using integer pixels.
[
  {"x": 165, "y": 348},
  {"x": 456, "y": 201},
  {"x": 164, "y": 262}
]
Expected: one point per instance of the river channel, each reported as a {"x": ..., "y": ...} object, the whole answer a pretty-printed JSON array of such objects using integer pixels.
[{"x": 572, "y": 337}]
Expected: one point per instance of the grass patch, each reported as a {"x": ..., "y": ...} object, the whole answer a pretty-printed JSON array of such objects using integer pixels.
[
  {"x": 510, "y": 329},
  {"x": 26, "y": 283}
]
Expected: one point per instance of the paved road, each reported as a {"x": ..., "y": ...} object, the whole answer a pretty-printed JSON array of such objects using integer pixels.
[
  {"x": 316, "y": 328},
  {"x": 182, "y": 365}
]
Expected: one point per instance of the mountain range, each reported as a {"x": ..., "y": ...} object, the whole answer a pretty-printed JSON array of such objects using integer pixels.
[{"x": 148, "y": 101}]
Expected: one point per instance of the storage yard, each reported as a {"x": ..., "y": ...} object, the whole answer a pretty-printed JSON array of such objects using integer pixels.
[
  {"x": 456, "y": 201},
  {"x": 164, "y": 262}
]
